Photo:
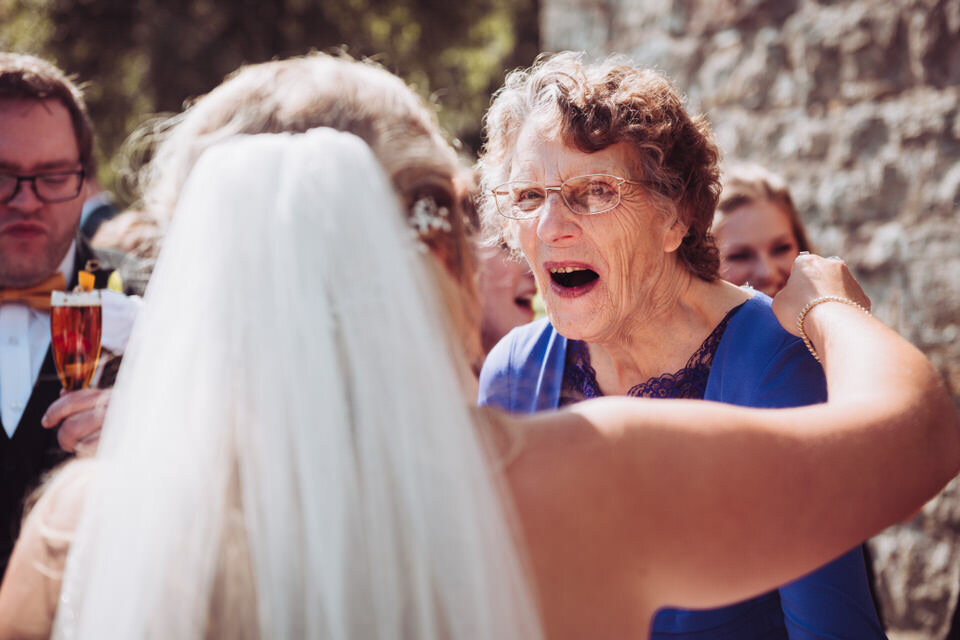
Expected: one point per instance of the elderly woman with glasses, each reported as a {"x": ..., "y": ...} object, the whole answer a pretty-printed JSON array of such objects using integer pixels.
[{"x": 608, "y": 186}]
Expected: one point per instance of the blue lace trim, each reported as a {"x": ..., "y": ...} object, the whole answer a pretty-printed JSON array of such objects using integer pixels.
[{"x": 580, "y": 378}]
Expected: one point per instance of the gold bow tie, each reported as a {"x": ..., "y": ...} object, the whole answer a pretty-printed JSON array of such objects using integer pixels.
[{"x": 37, "y": 296}]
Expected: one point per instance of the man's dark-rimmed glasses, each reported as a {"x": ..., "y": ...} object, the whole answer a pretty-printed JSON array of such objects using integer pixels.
[{"x": 55, "y": 186}]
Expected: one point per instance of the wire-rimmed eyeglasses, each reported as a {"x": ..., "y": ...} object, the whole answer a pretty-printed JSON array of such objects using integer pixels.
[
  {"x": 56, "y": 186},
  {"x": 584, "y": 195}
]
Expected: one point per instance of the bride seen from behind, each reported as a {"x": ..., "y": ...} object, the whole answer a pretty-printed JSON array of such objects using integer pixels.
[
  {"x": 289, "y": 453},
  {"x": 321, "y": 429}
]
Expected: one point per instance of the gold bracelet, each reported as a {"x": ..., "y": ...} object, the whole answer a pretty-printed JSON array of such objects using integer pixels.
[{"x": 810, "y": 305}]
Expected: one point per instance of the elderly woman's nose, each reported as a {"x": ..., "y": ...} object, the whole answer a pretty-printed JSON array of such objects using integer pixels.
[{"x": 557, "y": 223}]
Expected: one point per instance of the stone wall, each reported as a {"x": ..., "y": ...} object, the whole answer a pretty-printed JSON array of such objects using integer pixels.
[{"x": 857, "y": 103}]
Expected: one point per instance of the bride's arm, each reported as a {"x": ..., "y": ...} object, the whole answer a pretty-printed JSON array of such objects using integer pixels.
[{"x": 699, "y": 504}]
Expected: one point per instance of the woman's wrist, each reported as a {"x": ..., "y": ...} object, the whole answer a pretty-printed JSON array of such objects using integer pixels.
[{"x": 808, "y": 327}]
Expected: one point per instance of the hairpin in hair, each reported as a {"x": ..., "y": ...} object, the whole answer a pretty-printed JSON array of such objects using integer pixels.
[{"x": 426, "y": 217}]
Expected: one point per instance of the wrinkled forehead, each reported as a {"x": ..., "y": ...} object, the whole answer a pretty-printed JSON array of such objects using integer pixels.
[{"x": 545, "y": 154}]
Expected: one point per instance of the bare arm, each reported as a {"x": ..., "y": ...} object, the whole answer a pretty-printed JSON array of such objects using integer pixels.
[{"x": 695, "y": 504}]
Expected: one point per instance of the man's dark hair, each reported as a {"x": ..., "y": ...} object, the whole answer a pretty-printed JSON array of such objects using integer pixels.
[{"x": 27, "y": 77}]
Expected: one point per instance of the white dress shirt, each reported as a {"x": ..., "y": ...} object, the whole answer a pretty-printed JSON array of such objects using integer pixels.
[{"x": 25, "y": 338}]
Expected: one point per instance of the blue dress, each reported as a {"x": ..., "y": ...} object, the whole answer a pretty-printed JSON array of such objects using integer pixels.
[{"x": 749, "y": 360}]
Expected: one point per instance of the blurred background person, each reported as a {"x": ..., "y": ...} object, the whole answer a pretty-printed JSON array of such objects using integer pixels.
[
  {"x": 97, "y": 208},
  {"x": 757, "y": 229},
  {"x": 46, "y": 156},
  {"x": 506, "y": 288},
  {"x": 132, "y": 232}
]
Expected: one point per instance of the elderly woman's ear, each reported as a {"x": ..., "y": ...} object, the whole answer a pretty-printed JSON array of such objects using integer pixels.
[{"x": 674, "y": 235}]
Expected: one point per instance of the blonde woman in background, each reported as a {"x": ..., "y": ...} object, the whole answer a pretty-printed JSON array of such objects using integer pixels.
[
  {"x": 507, "y": 289},
  {"x": 758, "y": 229}
]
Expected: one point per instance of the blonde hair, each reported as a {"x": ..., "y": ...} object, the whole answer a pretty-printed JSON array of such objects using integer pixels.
[
  {"x": 319, "y": 90},
  {"x": 748, "y": 183}
]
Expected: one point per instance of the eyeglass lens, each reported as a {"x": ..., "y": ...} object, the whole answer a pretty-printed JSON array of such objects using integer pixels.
[
  {"x": 48, "y": 187},
  {"x": 583, "y": 194}
]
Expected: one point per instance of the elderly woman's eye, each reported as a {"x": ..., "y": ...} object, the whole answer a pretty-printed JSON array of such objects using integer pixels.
[
  {"x": 601, "y": 188},
  {"x": 593, "y": 188},
  {"x": 591, "y": 193},
  {"x": 528, "y": 197}
]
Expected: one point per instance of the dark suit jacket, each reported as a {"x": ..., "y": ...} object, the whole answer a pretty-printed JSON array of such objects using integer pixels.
[
  {"x": 103, "y": 212},
  {"x": 33, "y": 450}
]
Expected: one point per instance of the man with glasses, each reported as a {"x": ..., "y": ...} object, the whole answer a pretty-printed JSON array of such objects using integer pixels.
[{"x": 46, "y": 157}]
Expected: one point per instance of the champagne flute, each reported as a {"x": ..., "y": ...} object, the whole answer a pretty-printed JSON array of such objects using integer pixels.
[{"x": 76, "y": 322}]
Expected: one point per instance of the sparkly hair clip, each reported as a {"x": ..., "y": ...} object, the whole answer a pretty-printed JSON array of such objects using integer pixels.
[{"x": 426, "y": 217}]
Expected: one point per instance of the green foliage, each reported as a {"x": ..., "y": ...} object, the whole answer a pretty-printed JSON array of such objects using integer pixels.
[
  {"x": 24, "y": 25},
  {"x": 139, "y": 57}
]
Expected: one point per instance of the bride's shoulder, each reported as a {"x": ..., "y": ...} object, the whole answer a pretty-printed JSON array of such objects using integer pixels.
[
  {"x": 59, "y": 501},
  {"x": 559, "y": 464},
  {"x": 52, "y": 516},
  {"x": 31, "y": 584},
  {"x": 574, "y": 493}
]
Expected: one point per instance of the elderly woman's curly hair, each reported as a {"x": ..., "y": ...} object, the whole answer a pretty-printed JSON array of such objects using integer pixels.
[{"x": 594, "y": 105}]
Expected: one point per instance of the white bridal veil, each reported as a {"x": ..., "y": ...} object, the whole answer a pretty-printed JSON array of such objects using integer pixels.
[{"x": 290, "y": 380}]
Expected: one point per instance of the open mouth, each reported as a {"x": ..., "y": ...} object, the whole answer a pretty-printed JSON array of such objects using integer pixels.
[{"x": 572, "y": 277}]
